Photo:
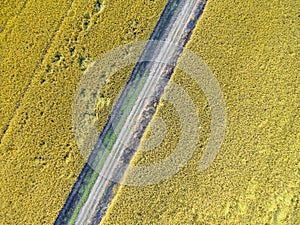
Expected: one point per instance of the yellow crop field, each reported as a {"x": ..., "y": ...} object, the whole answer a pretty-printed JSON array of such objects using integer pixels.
[
  {"x": 45, "y": 48},
  {"x": 24, "y": 41},
  {"x": 9, "y": 10},
  {"x": 252, "y": 48}
]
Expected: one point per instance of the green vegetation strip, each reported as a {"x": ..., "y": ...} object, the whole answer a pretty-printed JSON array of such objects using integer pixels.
[
  {"x": 122, "y": 111},
  {"x": 97, "y": 160}
]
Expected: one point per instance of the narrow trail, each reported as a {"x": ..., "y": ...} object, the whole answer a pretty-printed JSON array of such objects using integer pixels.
[{"x": 173, "y": 29}]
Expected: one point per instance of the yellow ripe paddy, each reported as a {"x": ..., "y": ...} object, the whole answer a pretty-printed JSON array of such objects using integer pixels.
[
  {"x": 45, "y": 47},
  {"x": 252, "y": 49}
]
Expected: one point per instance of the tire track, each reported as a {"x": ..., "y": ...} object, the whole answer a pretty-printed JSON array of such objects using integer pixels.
[
  {"x": 174, "y": 27},
  {"x": 175, "y": 33}
]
